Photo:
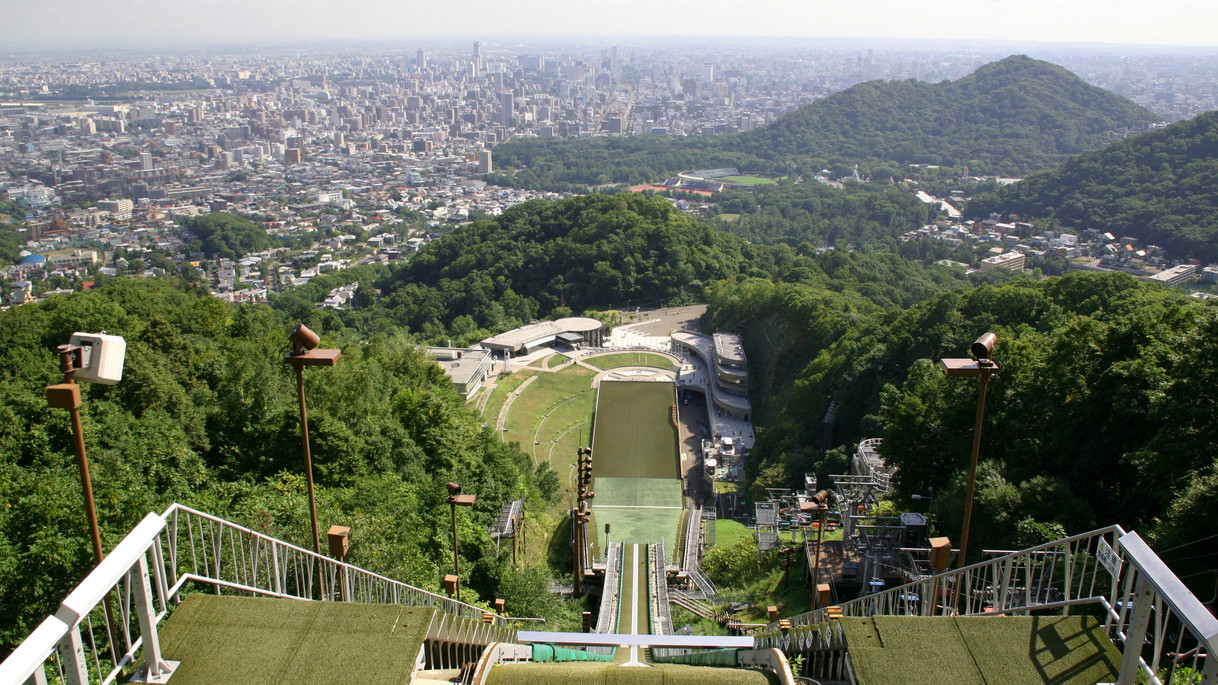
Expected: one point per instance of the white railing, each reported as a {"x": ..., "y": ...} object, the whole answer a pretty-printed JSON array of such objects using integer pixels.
[
  {"x": 1086, "y": 569},
  {"x": 108, "y": 624}
]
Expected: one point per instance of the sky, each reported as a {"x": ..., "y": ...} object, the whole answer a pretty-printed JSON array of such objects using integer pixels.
[{"x": 144, "y": 23}]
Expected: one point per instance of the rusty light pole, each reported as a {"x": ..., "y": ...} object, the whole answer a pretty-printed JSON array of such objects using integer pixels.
[
  {"x": 982, "y": 367},
  {"x": 304, "y": 353}
]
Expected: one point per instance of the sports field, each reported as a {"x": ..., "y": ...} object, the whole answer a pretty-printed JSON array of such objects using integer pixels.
[{"x": 635, "y": 464}]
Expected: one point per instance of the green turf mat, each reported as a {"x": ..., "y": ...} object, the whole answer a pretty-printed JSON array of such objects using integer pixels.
[
  {"x": 1064, "y": 650},
  {"x": 634, "y": 435},
  {"x": 637, "y": 525},
  {"x": 637, "y": 492},
  {"x": 237, "y": 640}
]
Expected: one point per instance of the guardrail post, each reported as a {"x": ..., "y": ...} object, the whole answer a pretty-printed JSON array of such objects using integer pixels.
[
  {"x": 1135, "y": 632},
  {"x": 72, "y": 651},
  {"x": 155, "y": 669}
]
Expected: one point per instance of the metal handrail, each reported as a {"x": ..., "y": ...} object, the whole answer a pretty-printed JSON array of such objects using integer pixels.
[
  {"x": 144, "y": 574},
  {"x": 1106, "y": 567}
]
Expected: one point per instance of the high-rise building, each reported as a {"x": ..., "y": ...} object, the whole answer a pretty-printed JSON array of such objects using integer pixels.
[
  {"x": 146, "y": 161},
  {"x": 484, "y": 162},
  {"x": 420, "y": 60},
  {"x": 506, "y": 105}
]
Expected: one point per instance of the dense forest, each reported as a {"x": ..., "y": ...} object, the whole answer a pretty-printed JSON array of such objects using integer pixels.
[
  {"x": 11, "y": 241},
  {"x": 206, "y": 415},
  {"x": 1160, "y": 187},
  {"x": 549, "y": 259},
  {"x": 1011, "y": 117},
  {"x": 224, "y": 235},
  {"x": 1101, "y": 412},
  {"x": 858, "y": 215}
]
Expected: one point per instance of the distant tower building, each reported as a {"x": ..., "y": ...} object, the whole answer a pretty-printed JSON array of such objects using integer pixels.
[
  {"x": 146, "y": 161},
  {"x": 506, "y": 105},
  {"x": 477, "y": 51},
  {"x": 291, "y": 155},
  {"x": 484, "y": 162},
  {"x": 420, "y": 59},
  {"x": 708, "y": 74}
]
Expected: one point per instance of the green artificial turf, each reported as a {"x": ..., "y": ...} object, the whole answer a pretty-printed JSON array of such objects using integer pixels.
[
  {"x": 1063, "y": 650},
  {"x": 239, "y": 640},
  {"x": 634, "y": 435}
]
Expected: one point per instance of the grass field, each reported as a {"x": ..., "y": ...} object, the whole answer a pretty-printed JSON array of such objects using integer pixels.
[
  {"x": 503, "y": 386},
  {"x": 556, "y": 360},
  {"x": 605, "y": 362},
  {"x": 551, "y": 408},
  {"x": 728, "y": 217},
  {"x": 729, "y": 532},
  {"x": 747, "y": 180}
]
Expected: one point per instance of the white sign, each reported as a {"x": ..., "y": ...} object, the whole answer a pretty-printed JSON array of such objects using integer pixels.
[{"x": 1108, "y": 558}]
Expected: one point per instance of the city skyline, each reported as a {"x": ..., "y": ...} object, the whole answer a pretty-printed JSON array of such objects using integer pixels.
[{"x": 62, "y": 24}]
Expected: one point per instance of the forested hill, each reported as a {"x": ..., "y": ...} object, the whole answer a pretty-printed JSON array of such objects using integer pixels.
[
  {"x": 1160, "y": 187},
  {"x": 1013, "y": 116},
  {"x": 1095, "y": 418},
  {"x": 206, "y": 415},
  {"x": 546, "y": 259}
]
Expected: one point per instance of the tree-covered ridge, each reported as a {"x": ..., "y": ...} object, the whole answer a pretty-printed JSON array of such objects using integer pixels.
[
  {"x": 221, "y": 234},
  {"x": 1012, "y": 116},
  {"x": 1009, "y": 117},
  {"x": 1102, "y": 411},
  {"x": 1160, "y": 187},
  {"x": 859, "y": 215},
  {"x": 206, "y": 415},
  {"x": 545, "y": 259}
]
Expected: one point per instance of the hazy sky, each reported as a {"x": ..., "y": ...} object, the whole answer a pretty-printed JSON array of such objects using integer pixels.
[{"x": 160, "y": 22}]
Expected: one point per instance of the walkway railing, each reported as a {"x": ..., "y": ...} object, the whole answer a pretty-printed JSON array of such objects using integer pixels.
[
  {"x": 1108, "y": 569},
  {"x": 108, "y": 624},
  {"x": 606, "y": 621},
  {"x": 661, "y": 618}
]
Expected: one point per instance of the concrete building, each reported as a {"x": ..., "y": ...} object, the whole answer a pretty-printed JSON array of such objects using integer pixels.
[
  {"x": 572, "y": 330},
  {"x": 1012, "y": 261},
  {"x": 1175, "y": 276},
  {"x": 466, "y": 367}
]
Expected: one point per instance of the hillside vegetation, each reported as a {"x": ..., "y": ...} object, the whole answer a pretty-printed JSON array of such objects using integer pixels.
[
  {"x": 206, "y": 415},
  {"x": 548, "y": 259},
  {"x": 1010, "y": 117},
  {"x": 1097, "y": 416},
  {"x": 1160, "y": 187}
]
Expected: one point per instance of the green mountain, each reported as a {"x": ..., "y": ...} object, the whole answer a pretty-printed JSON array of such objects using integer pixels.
[
  {"x": 1160, "y": 187},
  {"x": 1010, "y": 116},
  {"x": 1013, "y": 116}
]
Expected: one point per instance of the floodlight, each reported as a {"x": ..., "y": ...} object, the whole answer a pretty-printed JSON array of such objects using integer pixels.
[
  {"x": 303, "y": 339},
  {"x": 983, "y": 348},
  {"x": 98, "y": 357},
  {"x": 454, "y": 489}
]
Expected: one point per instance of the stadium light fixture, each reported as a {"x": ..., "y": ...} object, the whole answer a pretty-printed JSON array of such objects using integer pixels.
[
  {"x": 304, "y": 353},
  {"x": 983, "y": 367},
  {"x": 456, "y": 499}
]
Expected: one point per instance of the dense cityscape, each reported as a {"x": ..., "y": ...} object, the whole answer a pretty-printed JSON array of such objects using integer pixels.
[{"x": 363, "y": 154}]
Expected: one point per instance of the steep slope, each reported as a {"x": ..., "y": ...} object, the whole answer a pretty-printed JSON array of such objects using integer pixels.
[{"x": 1160, "y": 187}]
